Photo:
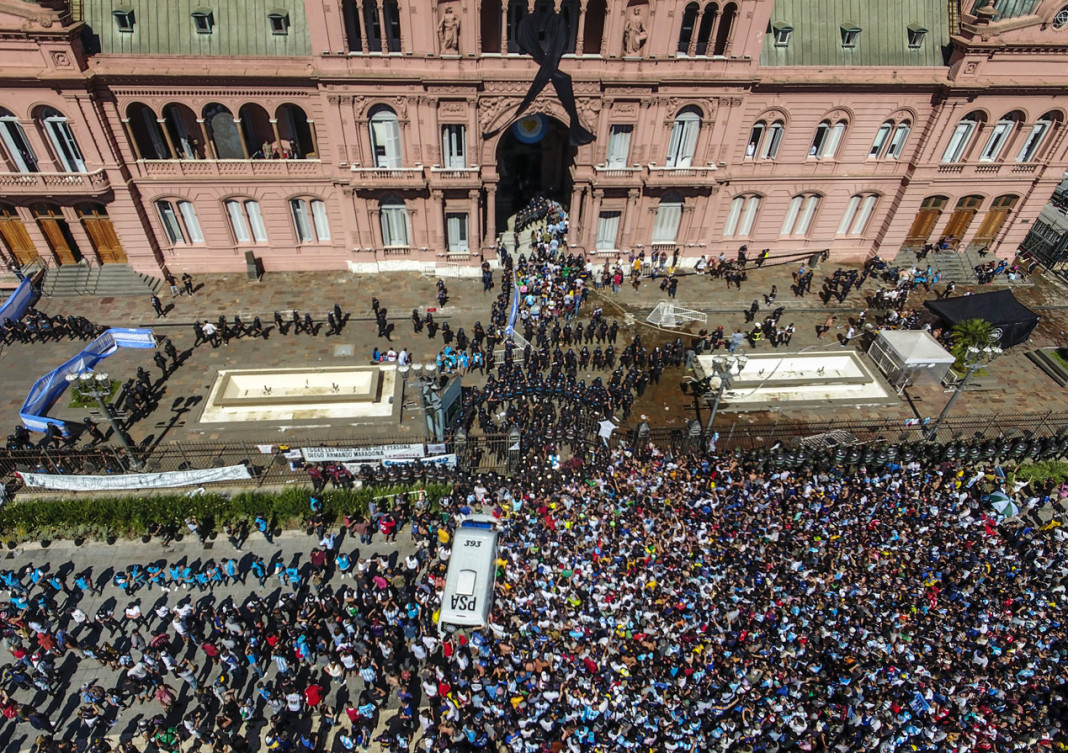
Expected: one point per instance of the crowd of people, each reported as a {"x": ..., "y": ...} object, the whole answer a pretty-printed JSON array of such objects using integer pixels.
[
  {"x": 644, "y": 601},
  {"x": 37, "y": 326}
]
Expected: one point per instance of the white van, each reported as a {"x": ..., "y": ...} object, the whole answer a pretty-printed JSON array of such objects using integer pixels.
[{"x": 467, "y": 598}]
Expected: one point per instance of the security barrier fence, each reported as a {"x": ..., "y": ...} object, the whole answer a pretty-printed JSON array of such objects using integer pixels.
[{"x": 1002, "y": 434}]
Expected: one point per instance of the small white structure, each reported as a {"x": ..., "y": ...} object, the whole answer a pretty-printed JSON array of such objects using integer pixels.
[
  {"x": 669, "y": 315},
  {"x": 910, "y": 357}
]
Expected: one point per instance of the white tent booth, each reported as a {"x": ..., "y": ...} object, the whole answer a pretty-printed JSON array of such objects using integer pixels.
[{"x": 910, "y": 357}]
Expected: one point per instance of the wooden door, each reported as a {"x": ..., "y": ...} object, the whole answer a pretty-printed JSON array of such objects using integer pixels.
[
  {"x": 56, "y": 231},
  {"x": 15, "y": 237},
  {"x": 101, "y": 234},
  {"x": 994, "y": 219},
  {"x": 925, "y": 220},
  {"x": 962, "y": 217}
]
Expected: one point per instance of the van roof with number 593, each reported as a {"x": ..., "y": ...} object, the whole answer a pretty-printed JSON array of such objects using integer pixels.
[{"x": 467, "y": 599}]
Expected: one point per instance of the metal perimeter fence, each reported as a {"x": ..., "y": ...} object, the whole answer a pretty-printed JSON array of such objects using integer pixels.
[{"x": 270, "y": 465}]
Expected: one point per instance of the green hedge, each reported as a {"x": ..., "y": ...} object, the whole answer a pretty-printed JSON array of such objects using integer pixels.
[
  {"x": 1043, "y": 471},
  {"x": 101, "y": 518}
]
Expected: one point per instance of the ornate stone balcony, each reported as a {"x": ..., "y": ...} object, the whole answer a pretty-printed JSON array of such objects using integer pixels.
[
  {"x": 452, "y": 177},
  {"x": 237, "y": 168},
  {"x": 54, "y": 184},
  {"x": 680, "y": 176},
  {"x": 618, "y": 176},
  {"x": 387, "y": 177}
]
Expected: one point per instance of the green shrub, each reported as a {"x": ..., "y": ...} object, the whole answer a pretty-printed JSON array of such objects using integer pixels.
[
  {"x": 1043, "y": 471},
  {"x": 97, "y": 518}
]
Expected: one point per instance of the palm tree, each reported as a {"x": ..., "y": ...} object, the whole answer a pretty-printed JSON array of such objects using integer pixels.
[{"x": 969, "y": 333}]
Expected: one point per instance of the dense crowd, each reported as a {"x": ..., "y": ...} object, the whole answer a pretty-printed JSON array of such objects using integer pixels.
[{"x": 644, "y": 602}]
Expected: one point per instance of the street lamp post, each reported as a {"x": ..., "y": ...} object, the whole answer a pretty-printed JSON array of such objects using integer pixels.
[
  {"x": 723, "y": 367},
  {"x": 974, "y": 360},
  {"x": 416, "y": 374},
  {"x": 97, "y": 385}
]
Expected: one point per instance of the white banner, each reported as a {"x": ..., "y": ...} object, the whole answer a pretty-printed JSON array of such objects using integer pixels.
[
  {"x": 447, "y": 460},
  {"x": 135, "y": 480},
  {"x": 375, "y": 452}
]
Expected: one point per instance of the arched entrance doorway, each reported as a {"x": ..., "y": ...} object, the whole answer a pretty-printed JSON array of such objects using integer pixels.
[{"x": 534, "y": 157}]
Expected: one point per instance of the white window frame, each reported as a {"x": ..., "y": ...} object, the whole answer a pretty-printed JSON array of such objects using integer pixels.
[
  {"x": 454, "y": 146},
  {"x": 834, "y": 140},
  {"x": 683, "y": 143},
  {"x": 818, "y": 139},
  {"x": 756, "y": 136},
  {"x": 799, "y": 214},
  {"x": 172, "y": 226},
  {"x": 180, "y": 222},
  {"x": 64, "y": 144},
  {"x": 11, "y": 132},
  {"x": 457, "y": 232},
  {"x": 958, "y": 142},
  {"x": 246, "y": 221},
  {"x": 773, "y": 140},
  {"x": 900, "y": 137},
  {"x": 881, "y": 137},
  {"x": 782, "y": 35},
  {"x": 608, "y": 230},
  {"x": 999, "y": 136},
  {"x": 857, "y": 214},
  {"x": 395, "y": 229},
  {"x": 1037, "y": 135},
  {"x": 667, "y": 221},
  {"x": 192, "y": 224},
  {"x": 741, "y": 216},
  {"x": 309, "y": 220},
  {"x": 618, "y": 153},
  {"x": 385, "y": 139}
]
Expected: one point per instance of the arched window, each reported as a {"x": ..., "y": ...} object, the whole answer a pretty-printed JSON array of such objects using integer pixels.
[
  {"x": 246, "y": 221},
  {"x": 826, "y": 140},
  {"x": 596, "y": 12},
  {"x": 858, "y": 212},
  {"x": 689, "y": 21},
  {"x": 372, "y": 25},
  {"x": 962, "y": 134},
  {"x": 309, "y": 220},
  {"x": 394, "y": 216},
  {"x": 490, "y": 18},
  {"x": 181, "y": 123},
  {"x": 57, "y": 127},
  {"x": 391, "y": 14},
  {"x": 773, "y": 140},
  {"x": 668, "y": 217},
  {"x": 999, "y": 136},
  {"x": 881, "y": 137},
  {"x": 756, "y": 135},
  {"x": 296, "y": 132},
  {"x": 741, "y": 217},
  {"x": 683, "y": 141},
  {"x": 222, "y": 130},
  {"x": 19, "y": 152},
  {"x": 925, "y": 220},
  {"x": 897, "y": 143},
  {"x": 726, "y": 24},
  {"x": 180, "y": 222},
  {"x": 517, "y": 11},
  {"x": 799, "y": 214},
  {"x": 145, "y": 131},
  {"x": 258, "y": 132},
  {"x": 1029, "y": 148},
  {"x": 704, "y": 34},
  {"x": 385, "y": 137}
]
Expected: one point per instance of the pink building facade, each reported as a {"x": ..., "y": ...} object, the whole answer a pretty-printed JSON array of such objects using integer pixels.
[{"x": 335, "y": 134}]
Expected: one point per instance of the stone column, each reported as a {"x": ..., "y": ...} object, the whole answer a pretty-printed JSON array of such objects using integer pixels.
[
  {"x": 277, "y": 136},
  {"x": 573, "y": 216},
  {"x": 361, "y": 27},
  {"x": 504, "y": 27},
  {"x": 473, "y": 224},
  {"x": 491, "y": 214},
  {"x": 241, "y": 138},
  {"x": 581, "y": 28},
  {"x": 691, "y": 50},
  {"x": 133, "y": 142},
  {"x": 440, "y": 230},
  {"x": 629, "y": 212},
  {"x": 209, "y": 145},
  {"x": 593, "y": 218},
  {"x": 167, "y": 137},
  {"x": 315, "y": 139},
  {"x": 383, "y": 37}
]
